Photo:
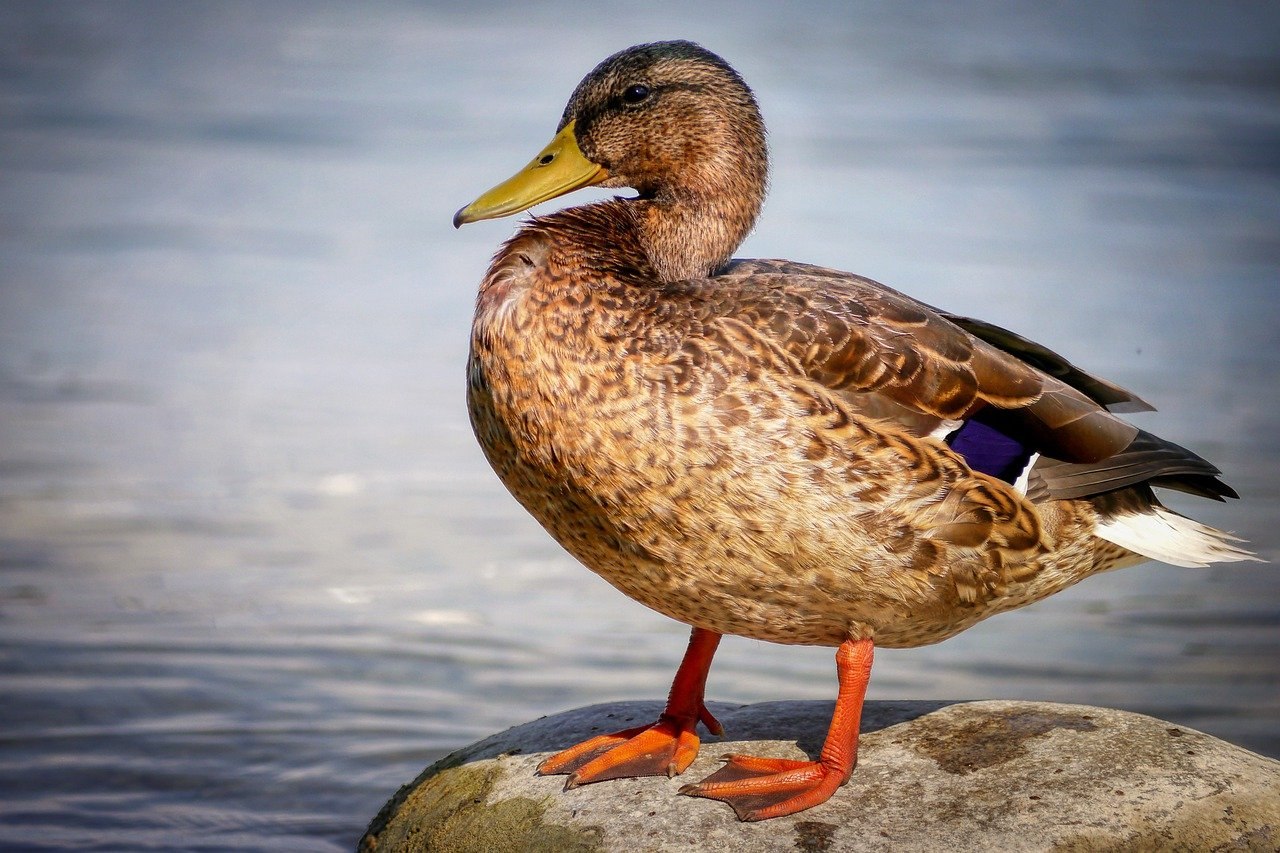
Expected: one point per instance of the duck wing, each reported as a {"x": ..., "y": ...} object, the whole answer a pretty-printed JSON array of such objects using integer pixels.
[
  {"x": 1001, "y": 401},
  {"x": 1102, "y": 391}
]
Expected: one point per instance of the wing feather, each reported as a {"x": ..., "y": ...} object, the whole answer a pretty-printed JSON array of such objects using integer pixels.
[
  {"x": 868, "y": 341},
  {"x": 893, "y": 357}
]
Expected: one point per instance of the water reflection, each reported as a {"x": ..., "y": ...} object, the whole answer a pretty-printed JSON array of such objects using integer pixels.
[{"x": 254, "y": 572}]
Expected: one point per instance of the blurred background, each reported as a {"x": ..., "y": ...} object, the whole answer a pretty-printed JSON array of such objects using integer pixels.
[{"x": 254, "y": 572}]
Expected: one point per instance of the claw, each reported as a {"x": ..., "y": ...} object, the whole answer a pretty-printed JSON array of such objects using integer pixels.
[{"x": 712, "y": 724}]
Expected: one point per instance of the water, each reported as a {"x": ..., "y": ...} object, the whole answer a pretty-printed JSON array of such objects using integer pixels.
[{"x": 254, "y": 573}]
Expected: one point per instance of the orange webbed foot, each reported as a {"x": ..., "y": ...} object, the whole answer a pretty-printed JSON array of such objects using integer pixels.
[
  {"x": 763, "y": 788},
  {"x": 665, "y": 748}
]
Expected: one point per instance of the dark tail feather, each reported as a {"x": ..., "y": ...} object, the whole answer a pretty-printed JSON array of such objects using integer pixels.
[{"x": 1147, "y": 459}]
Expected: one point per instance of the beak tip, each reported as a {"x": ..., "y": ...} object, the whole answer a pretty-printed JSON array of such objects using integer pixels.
[{"x": 458, "y": 219}]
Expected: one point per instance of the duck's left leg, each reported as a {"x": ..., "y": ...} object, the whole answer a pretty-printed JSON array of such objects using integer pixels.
[
  {"x": 761, "y": 788},
  {"x": 664, "y": 748}
]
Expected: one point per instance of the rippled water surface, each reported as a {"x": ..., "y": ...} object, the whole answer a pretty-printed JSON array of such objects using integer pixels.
[{"x": 254, "y": 572}]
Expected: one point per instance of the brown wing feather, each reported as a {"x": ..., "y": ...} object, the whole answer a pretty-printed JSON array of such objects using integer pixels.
[
  {"x": 1108, "y": 394},
  {"x": 897, "y": 359},
  {"x": 857, "y": 336}
]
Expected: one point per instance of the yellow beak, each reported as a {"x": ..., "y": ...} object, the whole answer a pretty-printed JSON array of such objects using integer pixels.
[{"x": 559, "y": 168}]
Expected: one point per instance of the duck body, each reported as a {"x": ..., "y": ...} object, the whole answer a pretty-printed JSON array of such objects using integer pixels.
[
  {"x": 671, "y": 439},
  {"x": 773, "y": 449}
]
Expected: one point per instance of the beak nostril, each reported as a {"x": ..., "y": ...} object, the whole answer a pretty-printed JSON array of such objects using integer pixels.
[{"x": 546, "y": 159}]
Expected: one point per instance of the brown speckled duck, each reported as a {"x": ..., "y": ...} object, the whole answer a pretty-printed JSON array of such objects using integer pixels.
[{"x": 773, "y": 449}]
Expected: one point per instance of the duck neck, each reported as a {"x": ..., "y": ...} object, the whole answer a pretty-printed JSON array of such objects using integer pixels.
[{"x": 687, "y": 236}]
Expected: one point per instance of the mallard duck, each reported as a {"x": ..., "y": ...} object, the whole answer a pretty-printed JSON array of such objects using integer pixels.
[{"x": 772, "y": 449}]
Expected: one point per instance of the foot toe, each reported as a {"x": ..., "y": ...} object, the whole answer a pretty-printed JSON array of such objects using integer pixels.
[
  {"x": 762, "y": 788},
  {"x": 665, "y": 748}
]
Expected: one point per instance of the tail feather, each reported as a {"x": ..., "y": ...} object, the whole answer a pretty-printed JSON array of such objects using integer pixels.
[
  {"x": 1148, "y": 458},
  {"x": 1161, "y": 534}
]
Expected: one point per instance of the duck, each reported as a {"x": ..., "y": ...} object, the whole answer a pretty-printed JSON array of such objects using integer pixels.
[{"x": 773, "y": 449}]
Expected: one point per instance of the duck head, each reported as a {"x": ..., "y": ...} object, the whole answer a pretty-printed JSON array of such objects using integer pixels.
[{"x": 674, "y": 122}]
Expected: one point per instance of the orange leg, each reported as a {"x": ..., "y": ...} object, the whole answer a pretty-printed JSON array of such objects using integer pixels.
[
  {"x": 664, "y": 748},
  {"x": 761, "y": 788}
]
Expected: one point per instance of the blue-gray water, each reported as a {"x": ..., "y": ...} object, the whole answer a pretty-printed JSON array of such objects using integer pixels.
[{"x": 254, "y": 572}]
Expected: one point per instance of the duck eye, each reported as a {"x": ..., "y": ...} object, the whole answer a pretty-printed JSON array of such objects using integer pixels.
[{"x": 636, "y": 93}]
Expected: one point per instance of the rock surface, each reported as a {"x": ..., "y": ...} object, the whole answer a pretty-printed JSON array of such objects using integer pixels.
[{"x": 931, "y": 776}]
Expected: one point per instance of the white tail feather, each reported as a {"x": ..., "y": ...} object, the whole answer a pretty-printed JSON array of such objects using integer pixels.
[{"x": 1164, "y": 535}]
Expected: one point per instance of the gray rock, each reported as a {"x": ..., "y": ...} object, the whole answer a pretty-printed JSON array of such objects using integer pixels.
[{"x": 931, "y": 776}]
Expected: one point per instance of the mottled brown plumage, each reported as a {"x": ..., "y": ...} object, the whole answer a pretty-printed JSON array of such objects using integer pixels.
[{"x": 758, "y": 447}]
